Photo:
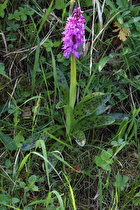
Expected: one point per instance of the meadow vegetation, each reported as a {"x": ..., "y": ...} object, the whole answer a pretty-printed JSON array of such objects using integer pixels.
[{"x": 66, "y": 142}]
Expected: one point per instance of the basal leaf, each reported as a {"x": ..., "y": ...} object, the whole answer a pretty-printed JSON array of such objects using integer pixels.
[
  {"x": 118, "y": 117},
  {"x": 80, "y": 137},
  {"x": 93, "y": 122},
  {"x": 31, "y": 141},
  {"x": 89, "y": 105}
]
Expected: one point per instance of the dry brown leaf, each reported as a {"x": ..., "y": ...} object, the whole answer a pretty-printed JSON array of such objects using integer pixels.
[{"x": 123, "y": 32}]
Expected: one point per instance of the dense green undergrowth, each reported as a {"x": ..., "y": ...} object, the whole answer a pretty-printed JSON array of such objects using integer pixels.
[{"x": 96, "y": 166}]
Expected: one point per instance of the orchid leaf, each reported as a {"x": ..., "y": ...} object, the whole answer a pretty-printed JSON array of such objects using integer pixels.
[
  {"x": 80, "y": 137},
  {"x": 93, "y": 103},
  {"x": 93, "y": 122}
]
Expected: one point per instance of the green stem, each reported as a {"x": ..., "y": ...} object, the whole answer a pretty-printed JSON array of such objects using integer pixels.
[{"x": 72, "y": 96}]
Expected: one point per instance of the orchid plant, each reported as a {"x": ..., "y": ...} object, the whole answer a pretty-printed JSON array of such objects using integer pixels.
[
  {"x": 86, "y": 114},
  {"x": 72, "y": 42},
  {"x": 82, "y": 116}
]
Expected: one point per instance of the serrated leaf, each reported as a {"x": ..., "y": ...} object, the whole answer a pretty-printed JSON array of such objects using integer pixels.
[
  {"x": 118, "y": 25},
  {"x": 123, "y": 32},
  {"x": 121, "y": 182}
]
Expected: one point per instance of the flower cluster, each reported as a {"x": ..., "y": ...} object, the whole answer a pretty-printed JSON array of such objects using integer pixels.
[{"x": 74, "y": 34}]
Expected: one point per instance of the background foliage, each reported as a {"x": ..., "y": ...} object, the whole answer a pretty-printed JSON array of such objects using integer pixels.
[{"x": 40, "y": 167}]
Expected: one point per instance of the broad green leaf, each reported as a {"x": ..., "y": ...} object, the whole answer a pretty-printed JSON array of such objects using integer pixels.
[
  {"x": 101, "y": 109},
  {"x": 122, "y": 3},
  {"x": 90, "y": 96},
  {"x": 18, "y": 139},
  {"x": 32, "y": 179},
  {"x": 93, "y": 122},
  {"x": 15, "y": 200},
  {"x": 106, "y": 166},
  {"x": 98, "y": 161},
  {"x": 137, "y": 26},
  {"x": 60, "y": 4},
  {"x": 106, "y": 155},
  {"x": 23, "y": 17},
  {"x": 134, "y": 19},
  {"x": 35, "y": 188},
  {"x": 111, "y": 4},
  {"x": 7, "y": 141},
  {"x": 91, "y": 104},
  {"x": 4, "y": 198},
  {"x": 135, "y": 10},
  {"x": 117, "y": 143},
  {"x": 119, "y": 116},
  {"x": 101, "y": 163}
]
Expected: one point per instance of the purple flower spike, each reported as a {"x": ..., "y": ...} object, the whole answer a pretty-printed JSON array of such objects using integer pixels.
[{"x": 74, "y": 34}]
